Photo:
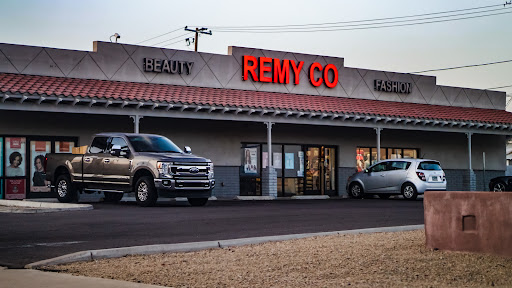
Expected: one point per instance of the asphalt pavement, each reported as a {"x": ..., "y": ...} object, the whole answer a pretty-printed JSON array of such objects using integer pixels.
[{"x": 31, "y": 237}]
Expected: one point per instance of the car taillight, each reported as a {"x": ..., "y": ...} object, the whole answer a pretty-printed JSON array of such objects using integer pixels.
[
  {"x": 421, "y": 175},
  {"x": 444, "y": 177},
  {"x": 45, "y": 161}
]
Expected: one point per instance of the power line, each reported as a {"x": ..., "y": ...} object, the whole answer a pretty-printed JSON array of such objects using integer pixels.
[
  {"x": 361, "y": 28},
  {"x": 171, "y": 39},
  {"x": 159, "y": 36},
  {"x": 465, "y": 66},
  {"x": 167, "y": 45},
  {"x": 334, "y": 24},
  {"x": 355, "y": 21},
  {"x": 498, "y": 87}
]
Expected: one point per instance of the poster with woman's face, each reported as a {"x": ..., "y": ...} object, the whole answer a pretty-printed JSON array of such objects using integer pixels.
[
  {"x": 15, "y": 167},
  {"x": 251, "y": 160},
  {"x": 38, "y": 150},
  {"x": 14, "y": 157}
]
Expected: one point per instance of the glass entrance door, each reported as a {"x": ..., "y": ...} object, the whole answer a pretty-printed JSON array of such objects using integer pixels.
[
  {"x": 320, "y": 171},
  {"x": 313, "y": 181}
]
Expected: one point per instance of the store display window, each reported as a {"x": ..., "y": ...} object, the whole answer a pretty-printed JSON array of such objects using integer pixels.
[{"x": 366, "y": 156}]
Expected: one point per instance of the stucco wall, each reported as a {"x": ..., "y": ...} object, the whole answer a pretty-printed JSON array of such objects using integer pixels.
[
  {"x": 469, "y": 221},
  {"x": 220, "y": 140},
  {"x": 122, "y": 62}
]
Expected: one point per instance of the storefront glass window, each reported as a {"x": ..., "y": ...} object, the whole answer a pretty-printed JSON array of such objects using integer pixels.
[
  {"x": 64, "y": 146},
  {"x": 394, "y": 153},
  {"x": 410, "y": 153},
  {"x": 293, "y": 170},
  {"x": 366, "y": 156},
  {"x": 374, "y": 154},
  {"x": 363, "y": 159}
]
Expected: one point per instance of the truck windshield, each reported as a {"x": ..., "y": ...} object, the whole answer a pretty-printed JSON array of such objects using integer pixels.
[{"x": 153, "y": 143}]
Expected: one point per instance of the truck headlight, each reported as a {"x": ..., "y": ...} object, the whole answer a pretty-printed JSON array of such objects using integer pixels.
[
  {"x": 165, "y": 169},
  {"x": 210, "y": 170}
]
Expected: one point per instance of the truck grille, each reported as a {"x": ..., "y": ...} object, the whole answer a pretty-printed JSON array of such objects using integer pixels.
[{"x": 191, "y": 171}]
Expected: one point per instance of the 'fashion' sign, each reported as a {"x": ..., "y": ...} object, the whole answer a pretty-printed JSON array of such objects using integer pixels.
[{"x": 392, "y": 86}]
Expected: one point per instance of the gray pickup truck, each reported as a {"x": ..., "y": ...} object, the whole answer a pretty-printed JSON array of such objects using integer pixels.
[{"x": 118, "y": 163}]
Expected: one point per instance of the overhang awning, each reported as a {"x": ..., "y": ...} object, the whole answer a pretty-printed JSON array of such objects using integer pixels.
[{"x": 45, "y": 92}]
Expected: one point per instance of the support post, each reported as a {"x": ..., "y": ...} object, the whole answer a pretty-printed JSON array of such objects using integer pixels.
[
  {"x": 136, "y": 120},
  {"x": 269, "y": 174},
  {"x": 378, "y": 129},
  {"x": 269, "y": 142},
  {"x": 471, "y": 179}
]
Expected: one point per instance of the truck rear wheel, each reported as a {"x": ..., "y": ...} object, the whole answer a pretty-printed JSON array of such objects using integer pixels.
[
  {"x": 145, "y": 192},
  {"x": 197, "y": 201},
  {"x": 66, "y": 192}
]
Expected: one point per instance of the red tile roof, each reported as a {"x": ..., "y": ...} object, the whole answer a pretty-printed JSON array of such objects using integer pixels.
[{"x": 58, "y": 86}]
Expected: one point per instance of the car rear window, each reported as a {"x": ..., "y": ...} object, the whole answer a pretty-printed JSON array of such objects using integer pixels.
[{"x": 429, "y": 165}]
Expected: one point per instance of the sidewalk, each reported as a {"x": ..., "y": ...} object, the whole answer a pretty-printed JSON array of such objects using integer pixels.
[{"x": 18, "y": 278}]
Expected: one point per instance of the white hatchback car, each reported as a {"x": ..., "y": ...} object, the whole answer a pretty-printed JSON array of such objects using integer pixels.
[{"x": 408, "y": 177}]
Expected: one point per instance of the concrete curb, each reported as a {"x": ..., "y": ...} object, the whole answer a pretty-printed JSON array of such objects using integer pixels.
[
  {"x": 196, "y": 246},
  {"x": 50, "y": 205},
  {"x": 255, "y": 198},
  {"x": 311, "y": 197}
]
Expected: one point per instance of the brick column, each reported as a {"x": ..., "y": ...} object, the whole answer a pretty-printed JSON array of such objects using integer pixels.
[
  {"x": 269, "y": 182},
  {"x": 471, "y": 180}
]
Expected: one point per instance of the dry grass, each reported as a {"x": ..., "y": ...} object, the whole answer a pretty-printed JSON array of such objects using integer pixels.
[{"x": 364, "y": 260}]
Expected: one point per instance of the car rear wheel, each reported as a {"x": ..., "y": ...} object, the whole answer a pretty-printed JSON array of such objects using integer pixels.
[
  {"x": 498, "y": 187},
  {"x": 145, "y": 192},
  {"x": 197, "y": 201},
  {"x": 113, "y": 196},
  {"x": 355, "y": 191},
  {"x": 66, "y": 192},
  {"x": 409, "y": 191}
]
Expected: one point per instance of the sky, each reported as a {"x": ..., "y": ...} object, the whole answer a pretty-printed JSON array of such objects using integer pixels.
[{"x": 76, "y": 24}]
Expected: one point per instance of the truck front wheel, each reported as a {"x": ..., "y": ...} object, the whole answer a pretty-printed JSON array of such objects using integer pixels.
[
  {"x": 66, "y": 193},
  {"x": 145, "y": 191},
  {"x": 197, "y": 201}
]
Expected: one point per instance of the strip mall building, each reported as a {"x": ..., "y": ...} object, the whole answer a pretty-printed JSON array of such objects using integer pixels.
[{"x": 324, "y": 120}]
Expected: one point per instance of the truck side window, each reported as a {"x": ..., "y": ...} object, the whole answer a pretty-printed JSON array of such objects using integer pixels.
[
  {"x": 121, "y": 142},
  {"x": 99, "y": 145}
]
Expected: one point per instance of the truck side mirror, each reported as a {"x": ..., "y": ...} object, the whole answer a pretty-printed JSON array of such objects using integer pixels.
[
  {"x": 115, "y": 150},
  {"x": 187, "y": 150}
]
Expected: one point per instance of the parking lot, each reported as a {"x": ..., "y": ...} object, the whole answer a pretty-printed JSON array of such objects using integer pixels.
[{"x": 27, "y": 238}]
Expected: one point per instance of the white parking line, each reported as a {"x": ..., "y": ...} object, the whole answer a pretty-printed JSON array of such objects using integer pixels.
[{"x": 54, "y": 244}]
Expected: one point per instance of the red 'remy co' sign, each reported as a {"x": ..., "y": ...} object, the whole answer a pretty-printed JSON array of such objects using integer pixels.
[{"x": 273, "y": 70}]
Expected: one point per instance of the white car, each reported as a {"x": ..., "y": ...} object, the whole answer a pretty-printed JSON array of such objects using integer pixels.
[{"x": 408, "y": 177}]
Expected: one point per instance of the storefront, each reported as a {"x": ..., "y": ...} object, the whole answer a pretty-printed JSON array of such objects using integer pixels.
[{"x": 323, "y": 121}]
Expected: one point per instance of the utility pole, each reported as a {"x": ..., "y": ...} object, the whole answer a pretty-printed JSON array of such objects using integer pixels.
[{"x": 198, "y": 30}]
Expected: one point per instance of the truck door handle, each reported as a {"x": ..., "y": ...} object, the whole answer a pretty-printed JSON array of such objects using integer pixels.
[
  {"x": 382, "y": 175},
  {"x": 106, "y": 160},
  {"x": 87, "y": 159}
]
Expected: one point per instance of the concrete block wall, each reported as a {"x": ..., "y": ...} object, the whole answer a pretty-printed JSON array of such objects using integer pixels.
[
  {"x": 458, "y": 179},
  {"x": 269, "y": 182},
  {"x": 227, "y": 182},
  {"x": 343, "y": 174}
]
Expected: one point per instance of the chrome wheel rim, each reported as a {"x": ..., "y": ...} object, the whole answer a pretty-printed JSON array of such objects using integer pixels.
[
  {"x": 142, "y": 191},
  {"x": 62, "y": 188},
  {"x": 408, "y": 191},
  {"x": 499, "y": 187},
  {"x": 356, "y": 190}
]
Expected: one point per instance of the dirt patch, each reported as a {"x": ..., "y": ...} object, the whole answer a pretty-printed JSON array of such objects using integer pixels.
[{"x": 364, "y": 260}]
